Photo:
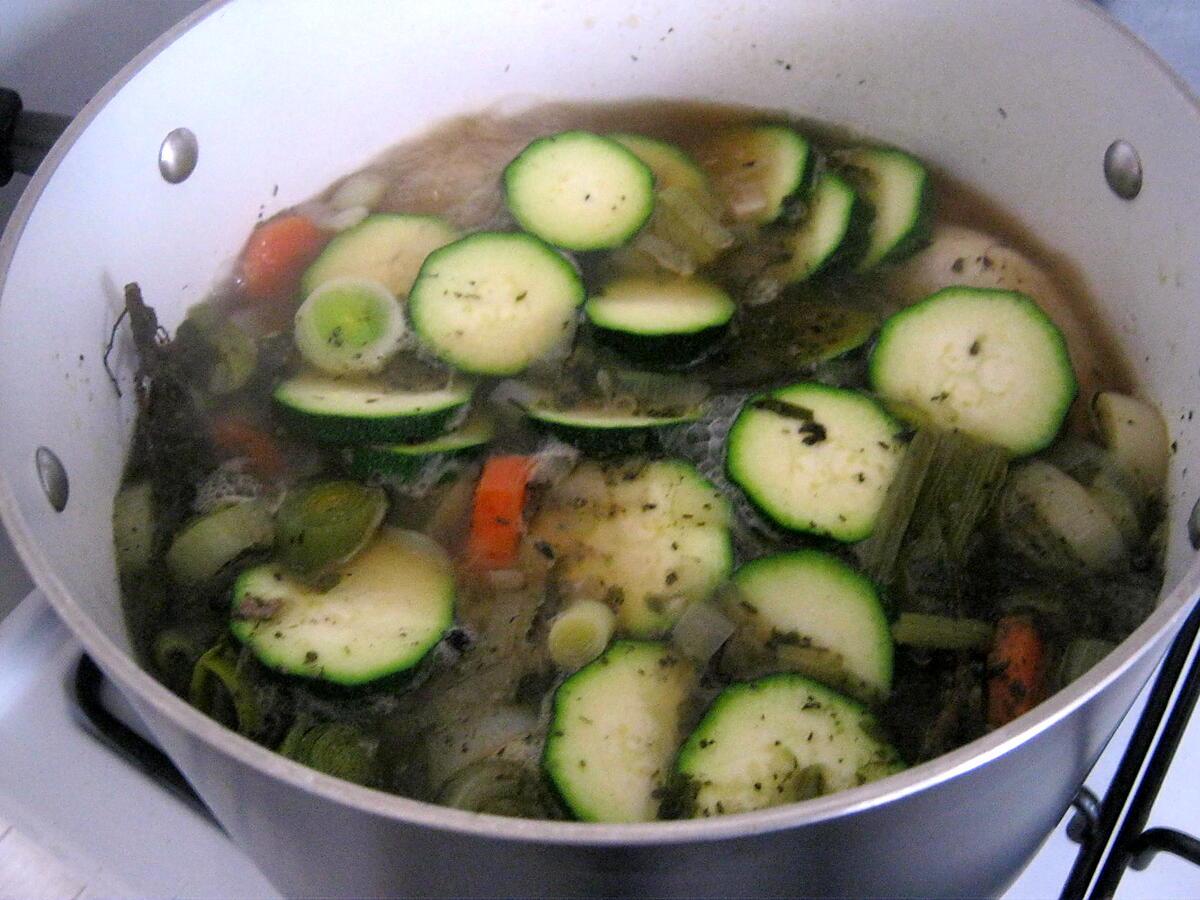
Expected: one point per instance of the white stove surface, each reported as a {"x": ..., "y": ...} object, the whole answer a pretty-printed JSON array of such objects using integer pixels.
[{"x": 78, "y": 822}]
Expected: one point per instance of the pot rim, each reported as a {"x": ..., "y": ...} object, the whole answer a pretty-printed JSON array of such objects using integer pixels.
[{"x": 1162, "y": 623}]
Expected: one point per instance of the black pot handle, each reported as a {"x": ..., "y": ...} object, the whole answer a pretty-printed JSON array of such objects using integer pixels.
[
  {"x": 115, "y": 734},
  {"x": 25, "y": 136}
]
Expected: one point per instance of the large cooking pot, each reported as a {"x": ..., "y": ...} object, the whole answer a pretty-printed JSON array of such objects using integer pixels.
[{"x": 1021, "y": 99}]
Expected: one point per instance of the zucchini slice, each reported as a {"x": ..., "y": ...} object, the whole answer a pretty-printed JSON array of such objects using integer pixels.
[
  {"x": 579, "y": 191},
  {"x": 989, "y": 363},
  {"x": 652, "y": 537},
  {"x": 617, "y": 423},
  {"x": 657, "y": 319},
  {"x": 834, "y": 228},
  {"x": 671, "y": 166},
  {"x": 807, "y": 611},
  {"x": 222, "y": 355},
  {"x": 815, "y": 459},
  {"x": 757, "y": 168},
  {"x": 818, "y": 332},
  {"x": 391, "y": 604},
  {"x": 493, "y": 302},
  {"x": 406, "y": 460},
  {"x": 359, "y": 411},
  {"x": 602, "y": 430},
  {"x": 786, "y": 337},
  {"x": 958, "y": 256},
  {"x": 615, "y": 729},
  {"x": 349, "y": 326},
  {"x": 387, "y": 247},
  {"x": 777, "y": 740},
  {"x": 901, "y": 194}
]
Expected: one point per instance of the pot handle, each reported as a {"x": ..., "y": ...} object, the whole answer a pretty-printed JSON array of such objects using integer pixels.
[
  {"x": 25, "y": 136},
  {"x": 115, "y": 734}
]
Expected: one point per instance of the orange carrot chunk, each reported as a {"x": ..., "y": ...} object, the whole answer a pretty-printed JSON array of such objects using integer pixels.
[
  {"x": 1017, "y": 664},
  {"x": 236, "y": 437},
  {"x": 496, "y": 517},
  {"x": 277, "y": 254}
]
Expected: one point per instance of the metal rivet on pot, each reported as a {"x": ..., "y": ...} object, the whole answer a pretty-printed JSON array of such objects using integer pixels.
[
  {"x": 178, "y": 155},
  {"x": 1194, "y": 526},
  {"x": 53, "y": 477},
  {"x": 1123, "y": 169}
]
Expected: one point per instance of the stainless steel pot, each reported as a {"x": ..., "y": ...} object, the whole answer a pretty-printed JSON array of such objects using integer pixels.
[{"x": 1021, "y": 99}]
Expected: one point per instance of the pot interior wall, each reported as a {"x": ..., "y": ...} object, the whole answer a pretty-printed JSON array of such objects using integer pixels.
[{"x": 282, "y": 104}]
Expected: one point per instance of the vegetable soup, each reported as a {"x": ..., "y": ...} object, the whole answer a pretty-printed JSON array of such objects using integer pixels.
[{"x": 632, "y": 462}]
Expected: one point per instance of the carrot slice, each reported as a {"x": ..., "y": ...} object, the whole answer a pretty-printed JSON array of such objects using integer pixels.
[
  {"x": 1018, "y": 665},
  {"x": 234, "y": 437},
  {"x": 496, "y": 518},
  {"x": 277, "y": 254}
]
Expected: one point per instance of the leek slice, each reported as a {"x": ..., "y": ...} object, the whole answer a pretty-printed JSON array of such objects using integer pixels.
[
  {"x": 580, "y": 633},
  {"x": 335, "y": 748},
  {"x": 206, "y": 544},
  {"x": 1081, "y": 655},
  {"x": 220, "y": 691},
  {"x": 324, "y": 525},
  {"x": 499, "y": 787},
  {"x": 174, "y": 655}
]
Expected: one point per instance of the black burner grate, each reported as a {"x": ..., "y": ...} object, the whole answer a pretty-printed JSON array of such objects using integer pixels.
[{"x": 1118, "y": 823}]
